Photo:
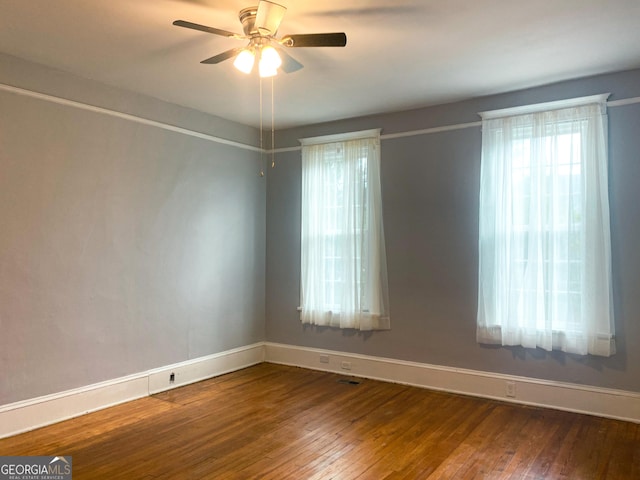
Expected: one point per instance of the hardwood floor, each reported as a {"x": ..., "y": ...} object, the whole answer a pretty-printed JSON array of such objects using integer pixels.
[{"x": 276, "y": 422}]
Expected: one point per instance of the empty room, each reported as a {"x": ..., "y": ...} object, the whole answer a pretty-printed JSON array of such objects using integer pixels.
[{"x": 320, "y": 240}]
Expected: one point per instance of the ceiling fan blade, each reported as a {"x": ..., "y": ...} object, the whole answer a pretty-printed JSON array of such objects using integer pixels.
[
  {"x": 268, "y": 17},
  {"x": 221, "y": 57},
  {"x": 204, "y": 28},
  {"x": 289, "y": 64},
  {"x": 315, "y": 40}
]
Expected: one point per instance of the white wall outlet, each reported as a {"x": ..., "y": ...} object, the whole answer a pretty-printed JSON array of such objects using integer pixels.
[
  {"x": 324, "y": 358},
  {"x": 511, "y": 389},
  {"x": 345, "y": 365}
]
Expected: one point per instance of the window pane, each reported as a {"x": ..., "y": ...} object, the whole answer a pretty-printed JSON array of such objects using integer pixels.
[{"x": 543, "y": 263}]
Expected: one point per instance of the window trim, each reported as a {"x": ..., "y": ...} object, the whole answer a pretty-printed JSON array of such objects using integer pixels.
[
  {"x": 595, "y": 341},
  {"x": 341, "y": 137},
  {"x": 600, "y": 99},
  {"x": 363, "y": 317}
]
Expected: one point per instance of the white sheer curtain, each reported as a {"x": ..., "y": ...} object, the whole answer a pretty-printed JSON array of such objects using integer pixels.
[
  {"x": 545, "y": 264},
  {"x": 344, "y": 269}
]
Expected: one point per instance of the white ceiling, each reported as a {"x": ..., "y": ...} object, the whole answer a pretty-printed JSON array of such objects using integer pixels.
[{"x": 399, "y": 55}]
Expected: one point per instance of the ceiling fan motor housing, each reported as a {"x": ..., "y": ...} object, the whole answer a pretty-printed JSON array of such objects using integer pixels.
[
  {"x": 260, "y": 25},
  {"x": 247, "y": 17}
]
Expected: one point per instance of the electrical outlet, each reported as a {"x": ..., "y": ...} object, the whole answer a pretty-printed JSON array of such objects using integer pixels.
[
  {"x": 324, "y": 358},
  {"x": 345, "y": 365},
  {"x": 511, "y": 389}
]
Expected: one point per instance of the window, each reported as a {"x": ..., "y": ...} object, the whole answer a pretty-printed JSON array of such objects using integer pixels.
[
  {"x": 545, "y": 262},
  {"x": 343, "y": 259}
]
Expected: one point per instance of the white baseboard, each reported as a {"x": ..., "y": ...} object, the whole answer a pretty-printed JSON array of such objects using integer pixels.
[
  {"x": 202, "y": 368},
  {"x": 610, "y": 403},
  {"x": 37, "y": 412}
]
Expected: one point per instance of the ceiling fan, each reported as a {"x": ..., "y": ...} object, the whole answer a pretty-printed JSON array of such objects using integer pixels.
[{"x": 260, "y": 25}]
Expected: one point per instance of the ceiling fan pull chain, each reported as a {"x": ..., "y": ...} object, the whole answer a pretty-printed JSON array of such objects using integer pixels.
[
  {"x": 273, "y": 134},
  {"x": 262, "y": 161}
]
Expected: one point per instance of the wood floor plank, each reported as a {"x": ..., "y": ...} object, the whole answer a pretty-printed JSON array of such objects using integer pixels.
[{"x": 274, "y": 422}]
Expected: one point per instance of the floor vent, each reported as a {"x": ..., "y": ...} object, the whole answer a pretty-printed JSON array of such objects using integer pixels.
[{"x": 348, "y": 381}]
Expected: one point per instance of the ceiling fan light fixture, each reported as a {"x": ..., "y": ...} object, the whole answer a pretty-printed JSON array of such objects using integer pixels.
[
  {"x": 260, "y": 24},
  {"x": 244, "y": 61},
  {"x": 267, "y": 72},
  {"x": 270, "y": 61}
]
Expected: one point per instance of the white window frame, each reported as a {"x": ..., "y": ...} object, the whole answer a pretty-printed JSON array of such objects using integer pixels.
[
  {"x": 512, "y": 310},
  {"x": 343, "y": 260}
]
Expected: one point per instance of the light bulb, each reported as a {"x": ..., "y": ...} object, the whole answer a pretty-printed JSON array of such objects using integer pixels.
[
  {"x": 244, "y": 61},
  {"x": 269, "y": 61},
  {"x": 267, "y": 72}
]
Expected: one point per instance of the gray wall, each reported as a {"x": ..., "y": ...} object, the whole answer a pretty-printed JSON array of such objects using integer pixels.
[
  {"x": 123, "y": 247},
  {"x": 430, "y": 187}
]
